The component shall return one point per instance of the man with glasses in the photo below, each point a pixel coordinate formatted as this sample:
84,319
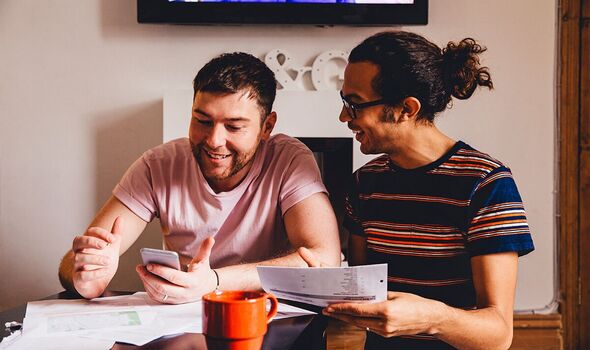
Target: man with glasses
447,219
229,197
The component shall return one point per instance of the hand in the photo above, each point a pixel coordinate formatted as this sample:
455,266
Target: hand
401,314
310,258
167,285
96,258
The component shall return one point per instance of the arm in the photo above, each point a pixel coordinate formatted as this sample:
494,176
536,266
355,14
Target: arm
310,223
93,260
494,277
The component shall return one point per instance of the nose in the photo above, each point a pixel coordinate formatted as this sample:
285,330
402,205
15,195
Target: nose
344,116
215,137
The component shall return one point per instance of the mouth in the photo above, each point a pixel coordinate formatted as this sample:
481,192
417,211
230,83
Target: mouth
216,156
358,135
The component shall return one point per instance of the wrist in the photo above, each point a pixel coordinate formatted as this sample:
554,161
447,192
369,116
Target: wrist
216,277
441,316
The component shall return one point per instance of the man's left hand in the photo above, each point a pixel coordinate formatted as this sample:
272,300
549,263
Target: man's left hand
401,314
171,286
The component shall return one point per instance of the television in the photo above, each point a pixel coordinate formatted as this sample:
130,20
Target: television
314,12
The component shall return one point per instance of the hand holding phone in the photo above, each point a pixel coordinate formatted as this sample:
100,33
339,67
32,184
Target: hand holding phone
160,257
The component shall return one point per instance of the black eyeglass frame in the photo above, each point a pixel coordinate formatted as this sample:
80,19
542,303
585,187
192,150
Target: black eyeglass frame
352,107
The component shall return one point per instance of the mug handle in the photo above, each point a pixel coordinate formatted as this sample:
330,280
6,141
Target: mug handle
274,305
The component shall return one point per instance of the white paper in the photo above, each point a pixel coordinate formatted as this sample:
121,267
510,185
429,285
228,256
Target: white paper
133,319
17,341
323,286
287,311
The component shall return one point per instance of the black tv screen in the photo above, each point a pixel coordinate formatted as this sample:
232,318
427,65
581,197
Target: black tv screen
318,12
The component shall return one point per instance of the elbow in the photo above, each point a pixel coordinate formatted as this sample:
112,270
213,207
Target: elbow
506,339
335,256
329,256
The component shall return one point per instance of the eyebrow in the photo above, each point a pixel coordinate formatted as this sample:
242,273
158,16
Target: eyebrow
351,96
231,119
196,110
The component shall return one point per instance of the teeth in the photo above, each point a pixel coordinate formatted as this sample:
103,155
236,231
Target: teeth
217,156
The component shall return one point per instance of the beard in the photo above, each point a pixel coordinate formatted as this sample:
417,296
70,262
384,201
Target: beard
239,160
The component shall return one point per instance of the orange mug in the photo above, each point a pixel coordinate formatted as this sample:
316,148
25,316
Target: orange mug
236,319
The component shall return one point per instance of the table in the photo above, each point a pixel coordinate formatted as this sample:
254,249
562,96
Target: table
313,332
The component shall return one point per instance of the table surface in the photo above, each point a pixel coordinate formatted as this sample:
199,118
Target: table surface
306,332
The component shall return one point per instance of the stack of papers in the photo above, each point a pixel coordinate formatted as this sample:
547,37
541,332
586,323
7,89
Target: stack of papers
100,322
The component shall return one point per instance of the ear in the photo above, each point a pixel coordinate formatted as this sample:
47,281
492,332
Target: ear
410,107
268,125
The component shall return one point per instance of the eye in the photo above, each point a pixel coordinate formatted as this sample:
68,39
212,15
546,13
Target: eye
233,127
204,122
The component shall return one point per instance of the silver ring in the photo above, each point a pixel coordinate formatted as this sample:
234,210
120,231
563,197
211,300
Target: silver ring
368,329
165,297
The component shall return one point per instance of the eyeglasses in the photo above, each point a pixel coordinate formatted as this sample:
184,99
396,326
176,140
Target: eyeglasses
352,107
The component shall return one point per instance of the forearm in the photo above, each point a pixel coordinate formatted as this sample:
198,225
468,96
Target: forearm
245,276
484,328
65,272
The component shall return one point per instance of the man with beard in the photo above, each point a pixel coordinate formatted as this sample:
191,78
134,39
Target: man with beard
229,198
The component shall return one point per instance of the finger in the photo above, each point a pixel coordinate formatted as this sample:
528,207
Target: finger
171,275
87,276
204,252
393,295
308,257
91,259
81,242
375,325
101,233
356,310
156,288
150,292
157,282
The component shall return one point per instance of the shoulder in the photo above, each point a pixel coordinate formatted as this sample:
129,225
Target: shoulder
172,151
281,144
469,161
284,151
375,166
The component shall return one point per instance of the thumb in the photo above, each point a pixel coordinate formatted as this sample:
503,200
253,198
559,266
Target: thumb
393,295
308,257
204,252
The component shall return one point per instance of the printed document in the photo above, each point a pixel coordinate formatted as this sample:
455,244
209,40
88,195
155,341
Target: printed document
99,323
323,286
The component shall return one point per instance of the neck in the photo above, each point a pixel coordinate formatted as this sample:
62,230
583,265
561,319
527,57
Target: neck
421,146
229,183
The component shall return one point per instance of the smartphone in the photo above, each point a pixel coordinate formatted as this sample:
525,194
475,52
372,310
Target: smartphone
160,257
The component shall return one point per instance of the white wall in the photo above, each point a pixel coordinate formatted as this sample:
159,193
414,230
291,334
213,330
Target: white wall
81,87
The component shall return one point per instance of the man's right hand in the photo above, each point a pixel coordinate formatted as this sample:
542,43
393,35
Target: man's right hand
96,258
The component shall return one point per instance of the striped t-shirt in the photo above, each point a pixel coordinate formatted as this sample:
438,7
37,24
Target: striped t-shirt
427,223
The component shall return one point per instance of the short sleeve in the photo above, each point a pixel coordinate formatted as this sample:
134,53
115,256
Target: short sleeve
497,219
135,190
351,207
301,179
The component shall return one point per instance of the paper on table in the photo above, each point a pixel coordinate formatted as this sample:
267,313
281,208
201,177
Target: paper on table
286,311
322,286
20,342
133,319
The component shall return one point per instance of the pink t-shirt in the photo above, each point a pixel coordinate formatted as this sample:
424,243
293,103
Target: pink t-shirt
247,222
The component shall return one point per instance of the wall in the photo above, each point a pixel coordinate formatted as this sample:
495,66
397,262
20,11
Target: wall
81,87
